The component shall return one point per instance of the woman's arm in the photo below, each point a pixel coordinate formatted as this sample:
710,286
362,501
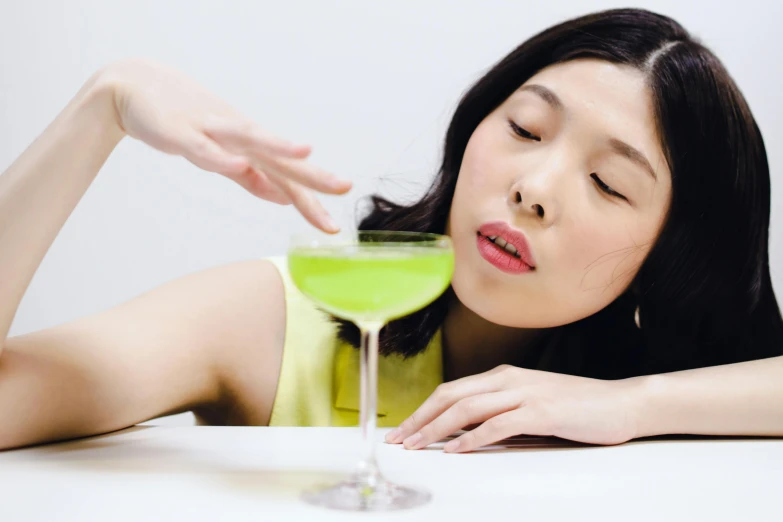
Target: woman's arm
209,342
168,111
40,189
735,399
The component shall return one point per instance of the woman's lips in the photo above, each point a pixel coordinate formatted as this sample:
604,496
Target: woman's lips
497,255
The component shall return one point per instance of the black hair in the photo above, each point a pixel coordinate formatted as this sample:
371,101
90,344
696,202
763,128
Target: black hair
704,291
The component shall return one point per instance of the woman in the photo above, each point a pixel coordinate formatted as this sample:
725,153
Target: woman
607,191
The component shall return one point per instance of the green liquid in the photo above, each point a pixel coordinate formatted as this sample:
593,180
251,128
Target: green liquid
371,283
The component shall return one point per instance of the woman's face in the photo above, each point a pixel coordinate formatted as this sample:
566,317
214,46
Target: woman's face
570,173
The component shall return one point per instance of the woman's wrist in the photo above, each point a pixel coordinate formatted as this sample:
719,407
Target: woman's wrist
96,103
649,406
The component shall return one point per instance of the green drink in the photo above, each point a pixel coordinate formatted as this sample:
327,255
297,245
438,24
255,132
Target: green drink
371,283
370,278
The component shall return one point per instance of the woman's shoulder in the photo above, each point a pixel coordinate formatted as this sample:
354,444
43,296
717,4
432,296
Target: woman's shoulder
303,318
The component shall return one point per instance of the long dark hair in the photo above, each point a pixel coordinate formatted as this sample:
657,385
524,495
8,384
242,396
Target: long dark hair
704,292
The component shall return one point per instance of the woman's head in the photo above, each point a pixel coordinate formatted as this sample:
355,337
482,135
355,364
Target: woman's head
623,151
573,162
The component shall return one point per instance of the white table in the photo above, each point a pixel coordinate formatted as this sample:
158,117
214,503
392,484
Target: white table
254,474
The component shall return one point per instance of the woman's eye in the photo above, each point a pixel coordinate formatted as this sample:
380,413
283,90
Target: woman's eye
522,133
606,188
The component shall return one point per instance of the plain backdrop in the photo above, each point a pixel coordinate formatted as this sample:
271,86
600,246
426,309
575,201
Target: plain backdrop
370,84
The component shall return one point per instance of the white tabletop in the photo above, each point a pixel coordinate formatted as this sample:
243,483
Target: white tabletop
255,474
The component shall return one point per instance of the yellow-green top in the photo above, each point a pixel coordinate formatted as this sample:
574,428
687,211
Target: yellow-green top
319,377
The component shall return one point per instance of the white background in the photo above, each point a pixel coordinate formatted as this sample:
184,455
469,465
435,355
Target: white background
370,84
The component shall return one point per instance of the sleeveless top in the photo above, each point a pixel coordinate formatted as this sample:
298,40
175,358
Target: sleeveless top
319,376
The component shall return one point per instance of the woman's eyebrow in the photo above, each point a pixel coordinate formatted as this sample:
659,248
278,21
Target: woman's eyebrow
545,94
634,155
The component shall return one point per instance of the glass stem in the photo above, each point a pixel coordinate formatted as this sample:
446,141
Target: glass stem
368,416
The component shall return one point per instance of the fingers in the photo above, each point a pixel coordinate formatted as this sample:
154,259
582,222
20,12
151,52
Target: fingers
471,410
250,137
515,422
274,156
208,155
280,180
307,204
443,398
285,192
259,184
302,172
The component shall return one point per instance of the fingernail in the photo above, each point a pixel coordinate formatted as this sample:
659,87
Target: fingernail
392,435
451,446
412,441
337,183
330,224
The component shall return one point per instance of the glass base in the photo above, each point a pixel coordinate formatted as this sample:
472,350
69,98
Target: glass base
357,495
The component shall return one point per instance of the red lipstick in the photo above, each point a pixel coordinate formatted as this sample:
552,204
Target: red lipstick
506,248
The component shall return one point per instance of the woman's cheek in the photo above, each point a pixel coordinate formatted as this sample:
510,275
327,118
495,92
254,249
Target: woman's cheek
473,174
599,257
482,163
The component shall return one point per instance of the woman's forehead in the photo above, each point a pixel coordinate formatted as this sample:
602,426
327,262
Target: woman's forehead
594,84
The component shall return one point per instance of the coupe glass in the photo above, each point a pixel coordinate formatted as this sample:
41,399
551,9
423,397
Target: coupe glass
370,278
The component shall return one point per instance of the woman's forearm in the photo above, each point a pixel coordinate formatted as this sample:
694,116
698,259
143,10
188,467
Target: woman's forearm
735,399
41,188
